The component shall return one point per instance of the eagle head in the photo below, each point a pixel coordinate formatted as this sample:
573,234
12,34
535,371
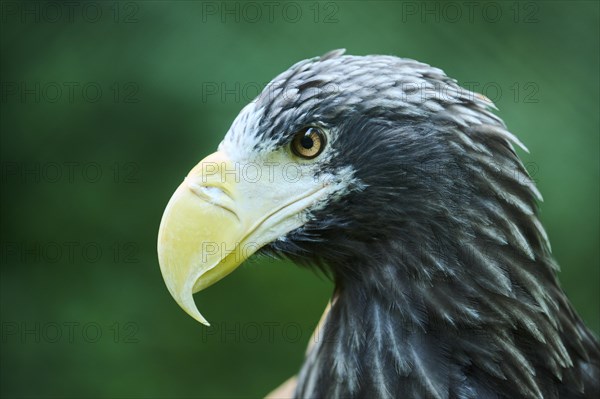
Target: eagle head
407,190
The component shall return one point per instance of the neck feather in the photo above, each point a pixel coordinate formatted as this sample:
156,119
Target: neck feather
461,314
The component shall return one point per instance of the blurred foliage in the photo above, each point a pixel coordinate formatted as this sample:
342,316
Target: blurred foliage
93,171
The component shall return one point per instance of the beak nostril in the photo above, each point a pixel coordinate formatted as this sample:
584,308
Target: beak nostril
213,191
214,194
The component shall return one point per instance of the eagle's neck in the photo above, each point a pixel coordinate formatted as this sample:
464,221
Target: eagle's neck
401,331
368,346
377,341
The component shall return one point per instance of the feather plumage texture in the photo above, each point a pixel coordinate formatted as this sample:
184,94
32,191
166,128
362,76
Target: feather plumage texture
445,281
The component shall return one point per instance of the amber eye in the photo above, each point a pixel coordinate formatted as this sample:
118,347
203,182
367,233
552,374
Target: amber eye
308,143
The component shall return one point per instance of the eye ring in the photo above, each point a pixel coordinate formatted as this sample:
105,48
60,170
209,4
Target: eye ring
308,143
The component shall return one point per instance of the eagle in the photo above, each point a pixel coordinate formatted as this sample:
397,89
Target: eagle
405,188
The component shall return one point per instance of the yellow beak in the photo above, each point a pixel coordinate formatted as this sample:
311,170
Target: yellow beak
218,217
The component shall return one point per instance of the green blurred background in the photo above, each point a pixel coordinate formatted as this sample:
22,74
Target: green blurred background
105,106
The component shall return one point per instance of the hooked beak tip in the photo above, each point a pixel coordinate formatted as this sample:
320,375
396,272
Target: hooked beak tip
186,301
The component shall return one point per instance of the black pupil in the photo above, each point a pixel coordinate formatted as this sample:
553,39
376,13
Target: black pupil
306,141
